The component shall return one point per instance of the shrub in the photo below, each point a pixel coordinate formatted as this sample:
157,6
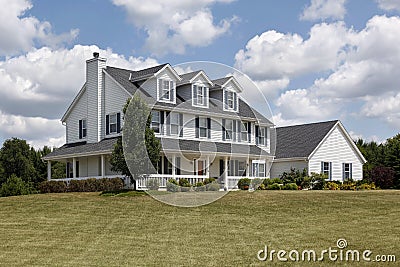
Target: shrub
214,186
256,182
274,186
270,181
290,186
184,184
153,184
294,176
76,186
262,187
306,183
53,187
200,187
209,180
365,186
332,186
15,186
172,185
244,183
348,186
383,177
318,181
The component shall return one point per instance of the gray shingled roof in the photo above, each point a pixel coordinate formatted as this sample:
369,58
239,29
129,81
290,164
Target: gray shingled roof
221,81
145,73
104,146
299,141
186,77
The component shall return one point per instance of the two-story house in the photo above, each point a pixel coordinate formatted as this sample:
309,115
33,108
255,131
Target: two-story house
205,127
219,134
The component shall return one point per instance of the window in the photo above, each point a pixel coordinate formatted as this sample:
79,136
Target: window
228,129
261,136
258,169
230,100
155,121
174,123
82,128
166,90
113,123
326,168
200,95
242,168
203,127
347,171
244,131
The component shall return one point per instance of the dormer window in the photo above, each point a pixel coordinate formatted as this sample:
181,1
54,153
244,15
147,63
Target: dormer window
200,95
166,89
230,100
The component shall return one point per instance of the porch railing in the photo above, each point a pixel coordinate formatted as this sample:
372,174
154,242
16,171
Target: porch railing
163,178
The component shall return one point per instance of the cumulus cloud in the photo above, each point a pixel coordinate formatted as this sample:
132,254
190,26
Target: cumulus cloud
36,88
19,33
173,25
274,55
389,5
324,9
351,68
386,107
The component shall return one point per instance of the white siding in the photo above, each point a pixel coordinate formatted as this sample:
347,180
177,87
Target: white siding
336,149
78,112
279,167
114,100
94,90
189,130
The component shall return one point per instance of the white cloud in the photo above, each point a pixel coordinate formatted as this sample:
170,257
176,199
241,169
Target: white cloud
389,4
324,9
385,107
19,33
37,87
173,25
274,55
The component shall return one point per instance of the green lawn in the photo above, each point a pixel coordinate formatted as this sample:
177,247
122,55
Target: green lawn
86,229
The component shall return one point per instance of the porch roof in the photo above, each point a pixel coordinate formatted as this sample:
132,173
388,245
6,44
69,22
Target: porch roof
105,146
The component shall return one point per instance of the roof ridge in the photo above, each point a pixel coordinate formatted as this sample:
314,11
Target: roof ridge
305,124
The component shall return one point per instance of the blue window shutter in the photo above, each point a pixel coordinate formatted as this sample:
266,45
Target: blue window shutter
223,130
171,91
178,166
330,170
167,113
225,99
165,165
161,122
234,101
194,94
197,126
206,96
221,167
80,129
343,172
234,130
108,124
239,130
351,170
256,132
181,124
209,127
249,131
118,122
322,167
265,135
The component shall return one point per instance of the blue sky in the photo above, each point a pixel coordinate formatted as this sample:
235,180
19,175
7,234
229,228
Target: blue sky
314,60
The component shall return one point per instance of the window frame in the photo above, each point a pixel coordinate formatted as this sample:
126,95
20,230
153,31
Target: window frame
110,123
153,122
173,124
347,173
244,131
255,169
326,169
261,137
204,127
227,130
166,89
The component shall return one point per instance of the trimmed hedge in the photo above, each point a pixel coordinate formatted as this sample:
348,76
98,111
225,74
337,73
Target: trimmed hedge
88,185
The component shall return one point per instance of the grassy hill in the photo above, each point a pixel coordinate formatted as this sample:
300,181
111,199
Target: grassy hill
86,229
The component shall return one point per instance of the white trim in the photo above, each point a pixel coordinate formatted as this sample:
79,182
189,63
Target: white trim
123,88
77,155
291,159
204,75
74,102
237,84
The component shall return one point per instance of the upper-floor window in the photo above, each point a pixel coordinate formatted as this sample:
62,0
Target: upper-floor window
174,123
113,123
326,168
347,171
203,127
82,128
261,133
166,89
229,129
230,100
200,95
155,121
244,131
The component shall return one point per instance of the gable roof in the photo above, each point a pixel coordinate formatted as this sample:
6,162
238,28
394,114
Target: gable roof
190,76
299,141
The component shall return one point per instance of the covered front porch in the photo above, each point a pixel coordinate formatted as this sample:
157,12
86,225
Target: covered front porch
226,169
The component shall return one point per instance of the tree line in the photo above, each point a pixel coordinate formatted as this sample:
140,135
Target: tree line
383,162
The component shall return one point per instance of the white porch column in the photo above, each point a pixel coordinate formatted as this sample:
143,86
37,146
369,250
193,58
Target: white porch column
103,166
48,170
248,174
226,173
73,167
173,166
208,167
